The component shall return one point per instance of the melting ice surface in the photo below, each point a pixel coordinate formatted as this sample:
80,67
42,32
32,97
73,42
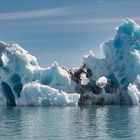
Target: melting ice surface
114,79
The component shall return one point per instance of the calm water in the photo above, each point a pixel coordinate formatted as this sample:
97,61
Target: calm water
70,123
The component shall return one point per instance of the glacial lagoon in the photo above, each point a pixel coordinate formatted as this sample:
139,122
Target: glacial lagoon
70,123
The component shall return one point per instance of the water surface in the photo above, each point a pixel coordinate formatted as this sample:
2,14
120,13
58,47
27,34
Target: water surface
70,123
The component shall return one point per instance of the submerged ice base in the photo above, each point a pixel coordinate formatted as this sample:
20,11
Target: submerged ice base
114,79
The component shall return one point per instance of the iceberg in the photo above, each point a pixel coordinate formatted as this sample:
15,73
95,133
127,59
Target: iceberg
24,82
113,79
121,67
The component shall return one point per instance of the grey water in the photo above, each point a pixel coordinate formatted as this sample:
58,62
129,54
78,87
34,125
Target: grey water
70,123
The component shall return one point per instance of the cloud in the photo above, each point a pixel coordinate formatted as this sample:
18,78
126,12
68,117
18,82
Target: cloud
38,13
113,20
88,21
74,10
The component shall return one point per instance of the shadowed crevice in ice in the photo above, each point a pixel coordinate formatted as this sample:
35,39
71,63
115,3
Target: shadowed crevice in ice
10,98
16,83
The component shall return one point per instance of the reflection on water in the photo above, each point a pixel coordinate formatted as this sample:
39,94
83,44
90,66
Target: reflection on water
69,123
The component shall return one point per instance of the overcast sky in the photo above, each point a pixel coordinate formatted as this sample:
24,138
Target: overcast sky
63,30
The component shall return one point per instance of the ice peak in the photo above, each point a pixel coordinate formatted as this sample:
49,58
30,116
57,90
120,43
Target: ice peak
91,53
129,21
2,43
55,65
129,27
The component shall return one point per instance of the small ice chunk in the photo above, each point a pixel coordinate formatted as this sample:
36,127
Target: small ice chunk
84,79
4,59
133,94
101,82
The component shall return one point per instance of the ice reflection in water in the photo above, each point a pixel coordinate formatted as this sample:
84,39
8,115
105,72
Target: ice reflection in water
69,123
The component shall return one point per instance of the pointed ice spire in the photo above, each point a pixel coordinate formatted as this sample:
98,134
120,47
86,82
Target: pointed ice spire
91,53
127,27
55,65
